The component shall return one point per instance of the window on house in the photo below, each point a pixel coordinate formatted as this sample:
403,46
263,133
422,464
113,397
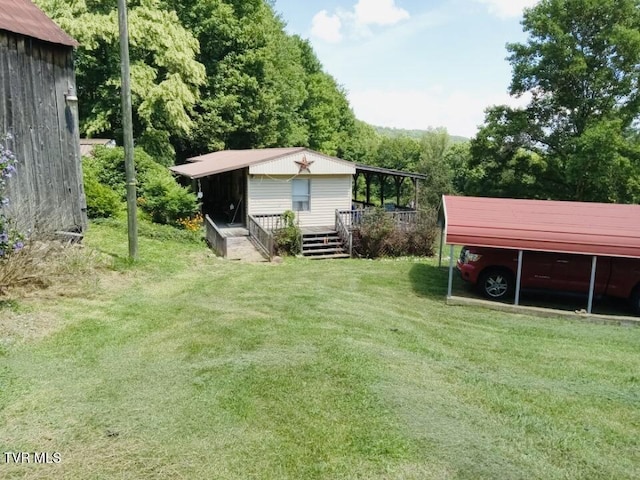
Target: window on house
301,194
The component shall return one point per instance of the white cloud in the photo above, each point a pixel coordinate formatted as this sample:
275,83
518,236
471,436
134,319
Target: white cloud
379,12
326,27
354,23
507,8
459,112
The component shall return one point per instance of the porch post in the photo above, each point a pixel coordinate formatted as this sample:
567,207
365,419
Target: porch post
399,181
367,181
355,186
416,185
592,284
518,278
382,179
450,273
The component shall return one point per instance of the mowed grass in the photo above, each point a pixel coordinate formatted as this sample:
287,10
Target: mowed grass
187,366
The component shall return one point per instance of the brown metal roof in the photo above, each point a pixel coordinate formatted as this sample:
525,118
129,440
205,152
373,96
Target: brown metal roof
88,144
543,225
23,17
228,160
362,168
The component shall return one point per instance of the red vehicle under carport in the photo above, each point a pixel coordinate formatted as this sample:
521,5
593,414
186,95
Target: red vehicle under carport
510,244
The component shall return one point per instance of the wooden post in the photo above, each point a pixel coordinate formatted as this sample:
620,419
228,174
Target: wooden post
367,180
127,126
399,181
416,184
355,186
382,179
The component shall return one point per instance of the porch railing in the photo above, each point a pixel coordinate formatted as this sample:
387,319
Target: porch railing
262,236
344,232
215,238
403,219
269,222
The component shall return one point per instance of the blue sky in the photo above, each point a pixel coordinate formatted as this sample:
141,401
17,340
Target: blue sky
414,64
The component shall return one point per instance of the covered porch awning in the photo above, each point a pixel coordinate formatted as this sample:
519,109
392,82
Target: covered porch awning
381,174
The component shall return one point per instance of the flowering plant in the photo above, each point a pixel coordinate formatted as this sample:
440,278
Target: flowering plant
10,239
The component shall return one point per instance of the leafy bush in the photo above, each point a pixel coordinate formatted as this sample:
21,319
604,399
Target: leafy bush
380,236
102,201
153,231
166,201
159,195
288,238
370,240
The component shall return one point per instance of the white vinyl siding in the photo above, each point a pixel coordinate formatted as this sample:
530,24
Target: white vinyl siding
319,165
271,195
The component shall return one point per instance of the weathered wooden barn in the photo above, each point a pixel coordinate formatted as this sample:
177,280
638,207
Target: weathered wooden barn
38,107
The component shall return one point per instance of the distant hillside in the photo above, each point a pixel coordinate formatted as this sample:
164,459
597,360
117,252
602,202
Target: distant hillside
401,132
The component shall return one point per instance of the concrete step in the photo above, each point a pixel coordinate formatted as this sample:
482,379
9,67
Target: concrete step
241,248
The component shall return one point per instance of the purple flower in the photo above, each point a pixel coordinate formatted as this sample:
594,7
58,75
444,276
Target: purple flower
17,246
4,237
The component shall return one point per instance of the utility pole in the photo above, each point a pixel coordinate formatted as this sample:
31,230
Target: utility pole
127,125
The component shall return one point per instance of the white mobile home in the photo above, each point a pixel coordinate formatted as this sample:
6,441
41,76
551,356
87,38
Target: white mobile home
245,192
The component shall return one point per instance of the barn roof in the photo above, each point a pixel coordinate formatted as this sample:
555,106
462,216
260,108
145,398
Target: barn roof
543,225
228,160
24,18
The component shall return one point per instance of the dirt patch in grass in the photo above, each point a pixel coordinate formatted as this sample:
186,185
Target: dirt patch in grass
19,327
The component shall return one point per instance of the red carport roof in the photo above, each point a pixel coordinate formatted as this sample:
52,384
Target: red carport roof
570,227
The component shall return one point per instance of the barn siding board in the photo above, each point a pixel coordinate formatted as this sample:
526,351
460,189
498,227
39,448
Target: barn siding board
47,192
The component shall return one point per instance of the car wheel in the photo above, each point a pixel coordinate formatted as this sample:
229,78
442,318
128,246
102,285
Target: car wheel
635,300
496,284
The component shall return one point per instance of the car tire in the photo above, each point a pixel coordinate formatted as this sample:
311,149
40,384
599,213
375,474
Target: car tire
496,284
635,300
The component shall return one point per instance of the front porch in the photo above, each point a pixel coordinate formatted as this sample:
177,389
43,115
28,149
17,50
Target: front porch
329,241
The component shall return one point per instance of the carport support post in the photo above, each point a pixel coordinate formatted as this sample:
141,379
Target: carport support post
441,245
518,277
450,273
592,284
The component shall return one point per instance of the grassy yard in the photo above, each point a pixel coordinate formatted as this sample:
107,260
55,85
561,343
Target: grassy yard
187,366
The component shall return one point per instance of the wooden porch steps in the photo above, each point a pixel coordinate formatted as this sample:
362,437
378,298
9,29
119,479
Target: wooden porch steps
323,245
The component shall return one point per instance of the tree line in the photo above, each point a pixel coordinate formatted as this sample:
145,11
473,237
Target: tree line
215,74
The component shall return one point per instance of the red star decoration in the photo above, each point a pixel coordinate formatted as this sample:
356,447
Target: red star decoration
304,164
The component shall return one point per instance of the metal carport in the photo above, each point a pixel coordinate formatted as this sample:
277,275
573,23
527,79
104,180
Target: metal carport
594,229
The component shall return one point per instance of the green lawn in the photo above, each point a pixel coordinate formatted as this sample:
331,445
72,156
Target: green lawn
187,366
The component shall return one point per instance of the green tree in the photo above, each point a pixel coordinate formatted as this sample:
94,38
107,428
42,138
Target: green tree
165,76
580,67
362,145
434,146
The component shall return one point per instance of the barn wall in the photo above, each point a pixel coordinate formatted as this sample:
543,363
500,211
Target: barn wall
272,195
47,191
